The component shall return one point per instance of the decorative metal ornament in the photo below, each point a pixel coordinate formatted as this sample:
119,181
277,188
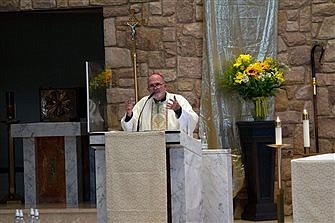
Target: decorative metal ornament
58,105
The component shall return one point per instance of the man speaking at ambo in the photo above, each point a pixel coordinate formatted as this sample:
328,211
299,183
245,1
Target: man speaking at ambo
160,110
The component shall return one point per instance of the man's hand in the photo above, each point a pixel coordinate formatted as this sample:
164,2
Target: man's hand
129,105
173,104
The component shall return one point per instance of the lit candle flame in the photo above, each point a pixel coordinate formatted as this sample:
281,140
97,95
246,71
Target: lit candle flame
278,132
305,115
305,122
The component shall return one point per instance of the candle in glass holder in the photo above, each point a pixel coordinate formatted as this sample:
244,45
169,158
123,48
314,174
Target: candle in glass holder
10,105
278,132
305,123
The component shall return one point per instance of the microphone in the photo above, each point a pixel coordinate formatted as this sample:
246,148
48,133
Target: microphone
145,103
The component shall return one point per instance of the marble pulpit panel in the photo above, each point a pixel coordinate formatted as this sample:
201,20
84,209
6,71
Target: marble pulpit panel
217,185
185,179
100,184
97,144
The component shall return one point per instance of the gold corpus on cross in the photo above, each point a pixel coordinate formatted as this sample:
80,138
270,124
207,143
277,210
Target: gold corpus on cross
132,23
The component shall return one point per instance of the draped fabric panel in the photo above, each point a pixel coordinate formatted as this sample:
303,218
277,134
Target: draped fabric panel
232,27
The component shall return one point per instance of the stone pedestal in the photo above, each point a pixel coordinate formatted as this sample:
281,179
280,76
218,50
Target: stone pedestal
259,162
217,185
185,179
71,132
100,178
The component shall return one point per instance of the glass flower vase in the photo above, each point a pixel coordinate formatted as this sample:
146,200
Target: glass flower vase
260,111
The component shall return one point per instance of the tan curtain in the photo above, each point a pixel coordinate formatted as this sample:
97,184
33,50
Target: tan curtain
232,27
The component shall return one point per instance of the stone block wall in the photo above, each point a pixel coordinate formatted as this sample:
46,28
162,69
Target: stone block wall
170,41
301,25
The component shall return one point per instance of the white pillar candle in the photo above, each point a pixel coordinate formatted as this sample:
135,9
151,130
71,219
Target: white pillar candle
278,132
305,123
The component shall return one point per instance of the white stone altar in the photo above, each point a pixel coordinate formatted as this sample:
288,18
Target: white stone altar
28,132
201,180
313,189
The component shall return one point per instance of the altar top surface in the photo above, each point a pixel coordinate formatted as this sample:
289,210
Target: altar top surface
44,129
322,157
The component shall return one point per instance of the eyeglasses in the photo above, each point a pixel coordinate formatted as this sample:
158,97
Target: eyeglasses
157,85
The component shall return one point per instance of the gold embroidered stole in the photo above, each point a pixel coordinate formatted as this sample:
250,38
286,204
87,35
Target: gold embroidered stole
158,116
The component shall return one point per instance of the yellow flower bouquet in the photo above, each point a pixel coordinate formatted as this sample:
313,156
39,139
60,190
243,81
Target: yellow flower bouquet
98,84
253,80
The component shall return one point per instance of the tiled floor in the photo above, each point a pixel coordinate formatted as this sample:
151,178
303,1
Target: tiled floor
288,219
52,213
85,213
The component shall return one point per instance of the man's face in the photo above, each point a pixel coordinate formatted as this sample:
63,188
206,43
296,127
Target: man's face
157,86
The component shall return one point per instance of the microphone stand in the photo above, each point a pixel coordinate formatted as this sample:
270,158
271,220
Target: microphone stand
139,116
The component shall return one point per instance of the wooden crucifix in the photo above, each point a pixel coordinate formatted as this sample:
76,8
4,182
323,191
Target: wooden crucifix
133,22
